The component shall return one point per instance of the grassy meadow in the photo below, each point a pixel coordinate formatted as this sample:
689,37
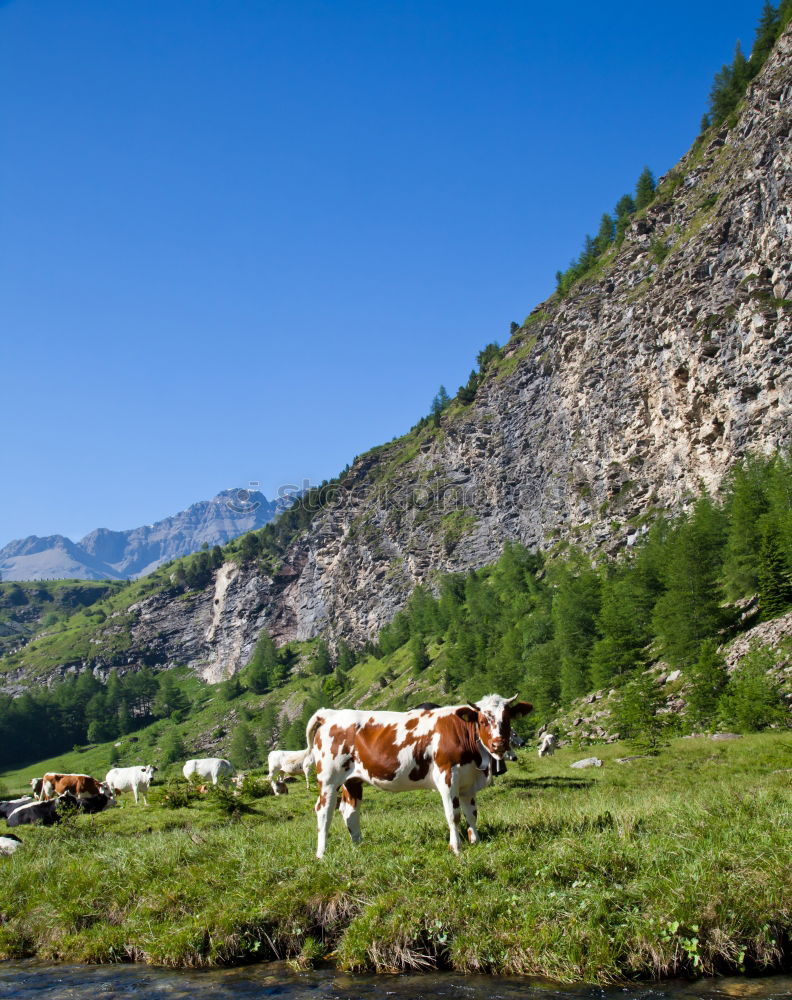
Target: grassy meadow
665,865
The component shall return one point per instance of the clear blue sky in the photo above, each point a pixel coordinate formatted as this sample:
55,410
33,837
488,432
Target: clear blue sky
248,240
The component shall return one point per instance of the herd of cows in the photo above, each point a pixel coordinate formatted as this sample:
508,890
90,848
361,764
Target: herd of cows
455,749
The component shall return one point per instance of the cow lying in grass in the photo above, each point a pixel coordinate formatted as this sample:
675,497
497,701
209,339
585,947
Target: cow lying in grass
451,749
7,806
51,811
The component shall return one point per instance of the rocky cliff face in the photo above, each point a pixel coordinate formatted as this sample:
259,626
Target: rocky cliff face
117,555
648,380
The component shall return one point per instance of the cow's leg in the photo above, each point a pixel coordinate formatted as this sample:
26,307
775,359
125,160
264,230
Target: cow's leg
351,797
471,815
449,793
306,770
135,793
325,807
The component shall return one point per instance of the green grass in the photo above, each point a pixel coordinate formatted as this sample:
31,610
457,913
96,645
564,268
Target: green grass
674,864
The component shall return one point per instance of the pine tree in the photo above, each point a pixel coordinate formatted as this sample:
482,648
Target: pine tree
321,662
171,748
467,393
690,609
263,666
747,502
170,701
576,604
606,233
542,681
706,680
243,749
766,33
439,403
419,658
346,657
740,73
265,730
721,95
625,209
637,717
644,189
249,547
774,574
751,700
624,622
487,356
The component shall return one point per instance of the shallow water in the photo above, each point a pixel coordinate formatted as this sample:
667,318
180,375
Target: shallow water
139,982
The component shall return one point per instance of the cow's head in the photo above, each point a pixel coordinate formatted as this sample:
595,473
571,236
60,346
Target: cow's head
493,715
109,794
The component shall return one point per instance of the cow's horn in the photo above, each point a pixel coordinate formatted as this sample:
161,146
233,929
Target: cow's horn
510,700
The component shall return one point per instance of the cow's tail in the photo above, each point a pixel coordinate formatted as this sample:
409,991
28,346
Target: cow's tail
314,723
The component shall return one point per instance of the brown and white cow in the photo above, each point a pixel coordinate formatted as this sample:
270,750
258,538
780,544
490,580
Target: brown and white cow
451,749
81,785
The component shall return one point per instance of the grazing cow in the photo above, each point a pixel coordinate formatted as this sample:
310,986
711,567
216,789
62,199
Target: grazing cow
280,762
451,749
9,805
9,843
547,745
35,784
209,768
81,785
135,779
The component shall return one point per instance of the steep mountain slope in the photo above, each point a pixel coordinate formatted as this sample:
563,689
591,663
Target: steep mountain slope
116,555
648,379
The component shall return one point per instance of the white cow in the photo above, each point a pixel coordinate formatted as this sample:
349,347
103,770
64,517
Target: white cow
135,779
547,745
208,767
288,762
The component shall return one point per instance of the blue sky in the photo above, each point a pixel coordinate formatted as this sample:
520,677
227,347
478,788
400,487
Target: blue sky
246,241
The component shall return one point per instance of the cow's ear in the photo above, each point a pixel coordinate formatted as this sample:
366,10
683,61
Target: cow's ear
520,708
467,713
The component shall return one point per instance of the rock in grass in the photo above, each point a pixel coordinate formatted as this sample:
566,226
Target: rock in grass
587,762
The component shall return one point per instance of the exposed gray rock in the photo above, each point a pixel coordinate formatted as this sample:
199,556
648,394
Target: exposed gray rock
587,762
647,380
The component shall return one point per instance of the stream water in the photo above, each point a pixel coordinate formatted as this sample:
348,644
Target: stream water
139,982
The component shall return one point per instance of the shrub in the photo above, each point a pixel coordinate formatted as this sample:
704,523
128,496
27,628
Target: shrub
752,699
178,795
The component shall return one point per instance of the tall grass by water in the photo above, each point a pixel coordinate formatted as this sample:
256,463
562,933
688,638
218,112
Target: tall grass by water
665,865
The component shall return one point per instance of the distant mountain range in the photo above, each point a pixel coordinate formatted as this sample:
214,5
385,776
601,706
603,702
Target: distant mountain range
116,555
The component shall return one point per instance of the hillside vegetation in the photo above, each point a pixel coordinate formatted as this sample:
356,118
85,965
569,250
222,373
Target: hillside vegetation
550,626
